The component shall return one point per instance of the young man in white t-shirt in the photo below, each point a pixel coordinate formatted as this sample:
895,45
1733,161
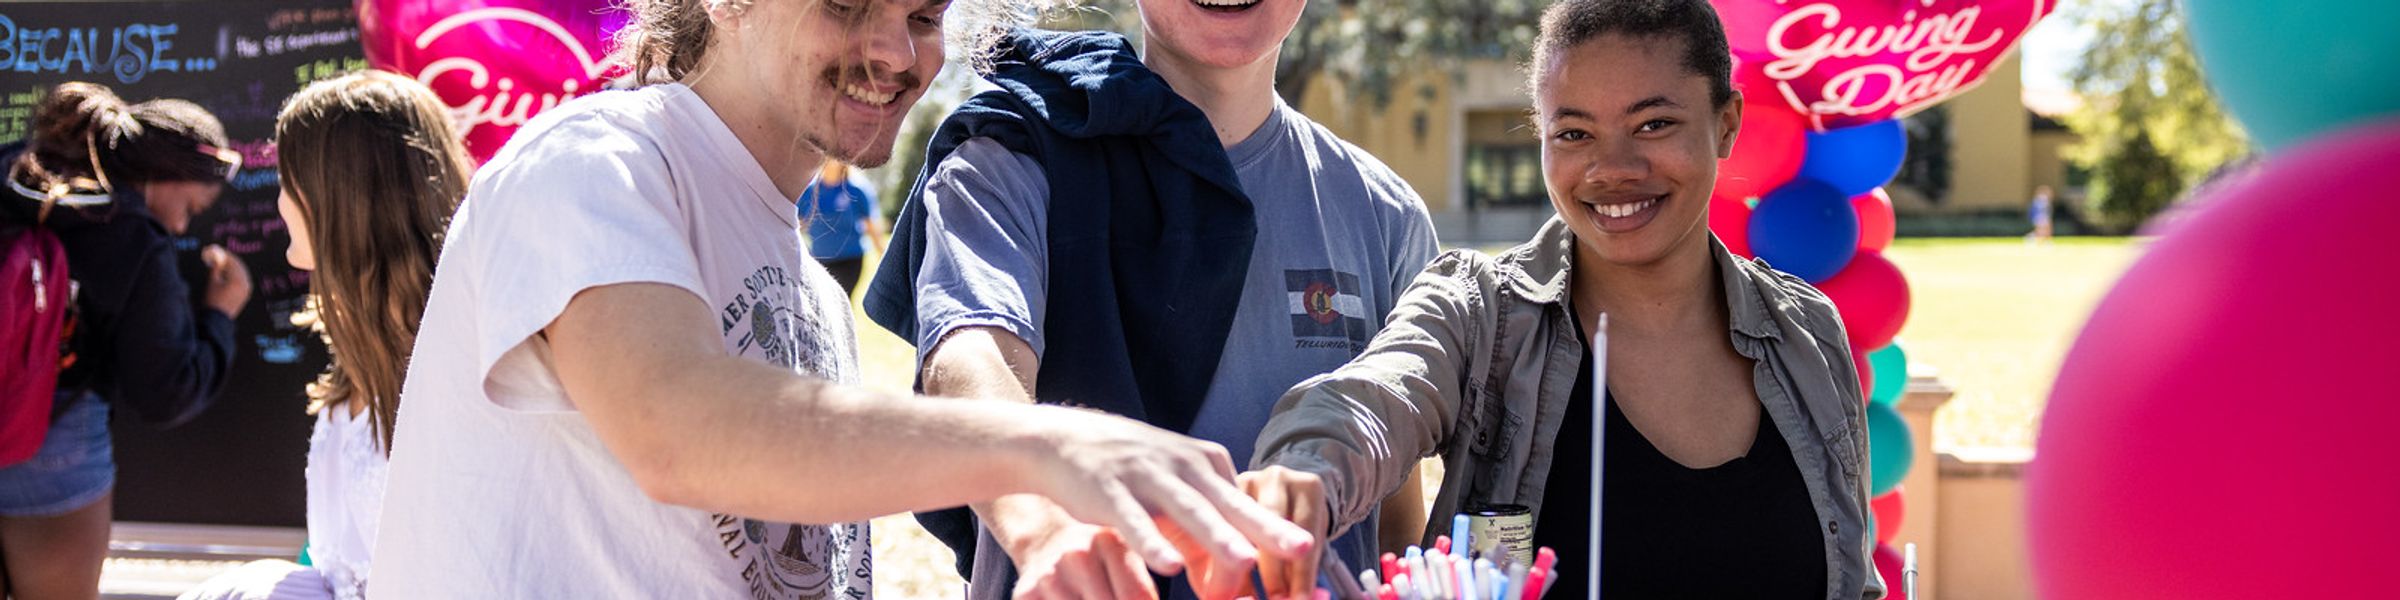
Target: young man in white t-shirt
629,365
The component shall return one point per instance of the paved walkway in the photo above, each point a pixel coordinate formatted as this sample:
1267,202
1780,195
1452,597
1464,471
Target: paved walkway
161,560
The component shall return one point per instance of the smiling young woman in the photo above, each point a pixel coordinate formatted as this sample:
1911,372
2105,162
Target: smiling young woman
1731,413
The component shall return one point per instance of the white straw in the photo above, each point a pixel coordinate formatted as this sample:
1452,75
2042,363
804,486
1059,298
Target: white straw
1599,441
1908,570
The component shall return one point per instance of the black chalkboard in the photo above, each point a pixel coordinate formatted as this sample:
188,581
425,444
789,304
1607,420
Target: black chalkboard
239,463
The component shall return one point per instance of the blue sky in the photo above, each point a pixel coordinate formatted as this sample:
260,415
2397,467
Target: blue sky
2050,50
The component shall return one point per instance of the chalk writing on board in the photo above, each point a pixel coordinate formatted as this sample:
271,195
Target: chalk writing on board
304,17
246,102
293,281
281,349
285,343
16,111
257,179
326,69
129,52
277,44
257,154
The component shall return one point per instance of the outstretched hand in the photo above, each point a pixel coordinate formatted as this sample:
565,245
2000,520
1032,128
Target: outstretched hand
1297,497
1141,481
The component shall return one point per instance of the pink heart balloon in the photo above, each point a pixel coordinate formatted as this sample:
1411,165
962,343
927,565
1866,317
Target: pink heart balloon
497,63
1851,62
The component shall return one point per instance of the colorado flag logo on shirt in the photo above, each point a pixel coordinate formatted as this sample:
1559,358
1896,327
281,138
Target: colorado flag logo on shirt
1326,308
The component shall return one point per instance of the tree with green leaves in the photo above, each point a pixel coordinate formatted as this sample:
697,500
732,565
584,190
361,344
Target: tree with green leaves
2150,126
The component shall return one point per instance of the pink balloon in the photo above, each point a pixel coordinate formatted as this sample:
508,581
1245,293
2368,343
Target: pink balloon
1889,509
1840,63
1766,153
1889,564
1875,226
2171,463
1872,296
1729,218
497,63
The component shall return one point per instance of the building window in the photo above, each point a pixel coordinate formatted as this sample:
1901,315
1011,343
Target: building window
1926,166
1504,176
1503,161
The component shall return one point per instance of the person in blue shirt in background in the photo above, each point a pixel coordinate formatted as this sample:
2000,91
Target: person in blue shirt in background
842,220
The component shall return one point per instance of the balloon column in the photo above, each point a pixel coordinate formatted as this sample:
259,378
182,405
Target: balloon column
2163,470
497,63
1824,83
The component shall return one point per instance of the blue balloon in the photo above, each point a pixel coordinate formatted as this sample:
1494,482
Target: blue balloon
1805,228
2293,70
1856,159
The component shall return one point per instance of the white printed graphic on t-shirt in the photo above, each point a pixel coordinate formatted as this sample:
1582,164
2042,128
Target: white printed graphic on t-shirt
766,317
796,561
779,317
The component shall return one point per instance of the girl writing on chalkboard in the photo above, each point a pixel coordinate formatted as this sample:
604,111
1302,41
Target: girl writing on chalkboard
371,172
115,183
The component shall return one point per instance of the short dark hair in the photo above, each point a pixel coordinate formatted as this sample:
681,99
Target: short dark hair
1569,23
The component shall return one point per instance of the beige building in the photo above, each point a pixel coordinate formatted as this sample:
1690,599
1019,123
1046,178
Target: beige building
1463,142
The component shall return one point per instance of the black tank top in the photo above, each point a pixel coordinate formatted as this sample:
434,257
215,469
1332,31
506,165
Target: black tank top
1743,529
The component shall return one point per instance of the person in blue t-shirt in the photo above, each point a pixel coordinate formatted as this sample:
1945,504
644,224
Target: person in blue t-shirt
2039,213
1157,235
842,220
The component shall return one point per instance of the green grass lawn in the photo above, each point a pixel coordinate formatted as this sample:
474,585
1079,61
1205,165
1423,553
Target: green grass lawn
909,563
1993,317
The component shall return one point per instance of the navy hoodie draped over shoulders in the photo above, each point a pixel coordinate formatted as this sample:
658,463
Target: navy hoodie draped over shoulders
1149,233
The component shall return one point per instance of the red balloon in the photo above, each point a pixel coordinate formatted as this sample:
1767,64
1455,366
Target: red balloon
1872,297
1889,509
1889,564
1729,217
2166,467
1866,374
1766,153
496,63
1875,226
